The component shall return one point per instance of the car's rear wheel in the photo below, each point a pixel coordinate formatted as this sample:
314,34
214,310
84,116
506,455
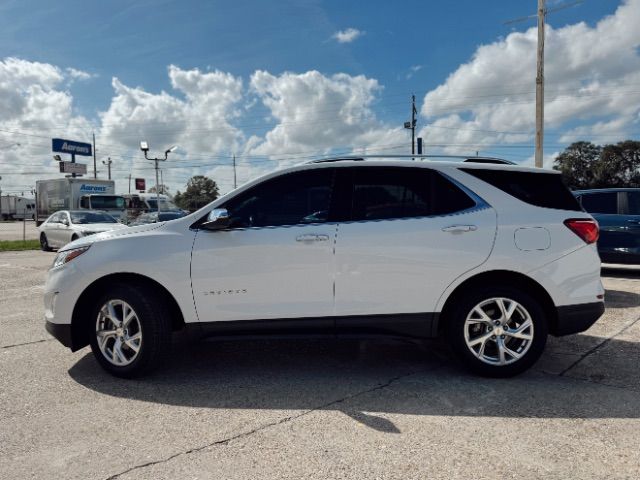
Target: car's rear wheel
130,331
497,331
44,243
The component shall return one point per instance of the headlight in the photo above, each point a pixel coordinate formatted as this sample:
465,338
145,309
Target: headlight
68,255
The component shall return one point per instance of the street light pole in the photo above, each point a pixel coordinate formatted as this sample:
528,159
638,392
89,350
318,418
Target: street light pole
108,164
144,146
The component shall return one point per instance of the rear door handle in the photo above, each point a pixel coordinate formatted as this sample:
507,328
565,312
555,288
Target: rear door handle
460,228
312,237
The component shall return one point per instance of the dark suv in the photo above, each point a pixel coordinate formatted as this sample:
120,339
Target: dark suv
617,210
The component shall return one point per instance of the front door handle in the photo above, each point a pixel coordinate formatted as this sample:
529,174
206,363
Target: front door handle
312,237
460,228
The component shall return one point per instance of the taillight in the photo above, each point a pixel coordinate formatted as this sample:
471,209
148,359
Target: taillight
587,229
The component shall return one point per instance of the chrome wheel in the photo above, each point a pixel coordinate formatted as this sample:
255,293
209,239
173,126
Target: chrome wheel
498,331
118,332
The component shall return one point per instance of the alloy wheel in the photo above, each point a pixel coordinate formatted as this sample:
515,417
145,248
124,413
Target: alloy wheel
118,332
498,331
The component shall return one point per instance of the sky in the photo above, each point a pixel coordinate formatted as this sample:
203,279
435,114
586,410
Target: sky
281,82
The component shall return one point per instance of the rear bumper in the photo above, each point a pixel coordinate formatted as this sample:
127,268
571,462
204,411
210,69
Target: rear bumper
61,331
577,318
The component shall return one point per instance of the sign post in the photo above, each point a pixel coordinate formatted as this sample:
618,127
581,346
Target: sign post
74,148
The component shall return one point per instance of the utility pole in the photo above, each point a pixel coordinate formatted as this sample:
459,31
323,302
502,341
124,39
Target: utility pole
129,183
161,182
95,171
235,183
108,164
540,85
412,124
541,15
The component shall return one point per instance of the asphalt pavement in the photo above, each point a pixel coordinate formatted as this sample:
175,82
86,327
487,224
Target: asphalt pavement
316,409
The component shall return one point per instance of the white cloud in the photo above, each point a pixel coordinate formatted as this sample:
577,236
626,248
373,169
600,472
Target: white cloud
413,70
75,74
587,69
348,35
196,116
318,113
34,107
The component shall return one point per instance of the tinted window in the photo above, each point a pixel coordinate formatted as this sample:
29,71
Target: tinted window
91,217
107,202
600,202
295,198
388,192
539,189
634,203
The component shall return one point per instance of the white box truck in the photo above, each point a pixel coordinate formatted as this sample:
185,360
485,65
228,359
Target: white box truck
13,207
77,194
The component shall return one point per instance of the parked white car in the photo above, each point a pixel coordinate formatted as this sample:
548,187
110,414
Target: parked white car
493,257
66,226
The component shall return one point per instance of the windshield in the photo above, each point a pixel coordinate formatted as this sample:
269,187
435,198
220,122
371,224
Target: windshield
164,204
107,202
91,217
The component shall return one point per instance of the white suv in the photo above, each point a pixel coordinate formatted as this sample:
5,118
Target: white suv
493,257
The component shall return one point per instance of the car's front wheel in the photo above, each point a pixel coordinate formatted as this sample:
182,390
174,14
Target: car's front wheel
497,332
44,243
130,330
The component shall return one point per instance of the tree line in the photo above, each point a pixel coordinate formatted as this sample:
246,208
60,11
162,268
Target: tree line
586,165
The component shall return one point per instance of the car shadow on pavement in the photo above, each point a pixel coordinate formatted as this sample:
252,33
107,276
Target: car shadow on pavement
621,299
376,377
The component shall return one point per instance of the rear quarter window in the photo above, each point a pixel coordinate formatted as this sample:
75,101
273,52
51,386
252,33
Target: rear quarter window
535,188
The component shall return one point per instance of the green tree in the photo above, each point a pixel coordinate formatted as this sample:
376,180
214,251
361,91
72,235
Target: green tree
585,165
619,165
200,191
577,164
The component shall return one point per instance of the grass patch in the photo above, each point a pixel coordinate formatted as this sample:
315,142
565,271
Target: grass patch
14,245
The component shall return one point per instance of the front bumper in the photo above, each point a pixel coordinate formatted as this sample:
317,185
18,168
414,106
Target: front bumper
577,318
61,331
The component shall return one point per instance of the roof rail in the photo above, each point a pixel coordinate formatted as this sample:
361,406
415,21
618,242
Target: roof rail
464,158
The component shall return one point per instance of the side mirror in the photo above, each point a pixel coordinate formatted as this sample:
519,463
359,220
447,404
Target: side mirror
218,219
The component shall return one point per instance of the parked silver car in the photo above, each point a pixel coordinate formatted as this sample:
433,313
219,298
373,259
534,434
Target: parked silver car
66,226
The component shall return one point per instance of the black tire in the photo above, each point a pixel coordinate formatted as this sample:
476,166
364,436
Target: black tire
456,325
155,328
44,243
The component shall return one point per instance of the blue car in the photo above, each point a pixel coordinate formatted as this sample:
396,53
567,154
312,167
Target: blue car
617,210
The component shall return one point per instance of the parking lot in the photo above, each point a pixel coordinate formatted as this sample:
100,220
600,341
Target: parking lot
316,409
16,230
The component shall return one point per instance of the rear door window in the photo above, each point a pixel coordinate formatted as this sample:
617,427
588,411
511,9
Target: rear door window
535,188
399,192
605,202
